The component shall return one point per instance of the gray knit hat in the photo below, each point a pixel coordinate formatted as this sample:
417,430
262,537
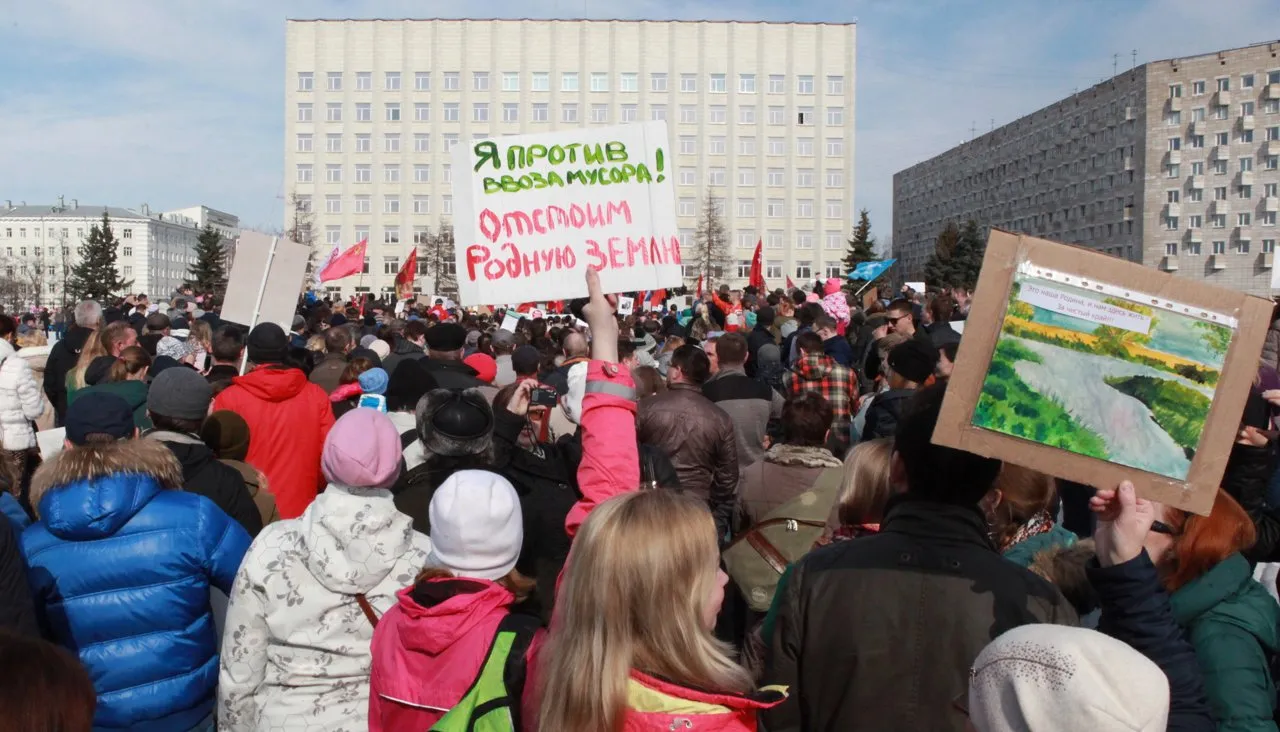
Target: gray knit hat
181,393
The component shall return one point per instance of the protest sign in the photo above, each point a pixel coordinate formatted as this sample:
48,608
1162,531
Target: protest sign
265,280
1097,371
625,305
50,442
533,211
917,286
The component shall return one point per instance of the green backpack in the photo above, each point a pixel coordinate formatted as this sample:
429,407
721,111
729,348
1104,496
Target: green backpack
492,704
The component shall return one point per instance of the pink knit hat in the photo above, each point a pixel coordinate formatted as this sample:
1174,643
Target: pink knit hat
833,285
362,450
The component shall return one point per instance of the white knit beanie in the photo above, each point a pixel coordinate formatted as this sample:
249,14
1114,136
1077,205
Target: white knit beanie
1053,678
476,525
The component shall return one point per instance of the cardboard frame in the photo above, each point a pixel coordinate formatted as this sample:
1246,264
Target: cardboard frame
1005,252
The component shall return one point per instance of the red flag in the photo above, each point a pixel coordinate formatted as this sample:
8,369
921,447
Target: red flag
658,297
346,264
756,278
642,297
698,292
404,278
790,285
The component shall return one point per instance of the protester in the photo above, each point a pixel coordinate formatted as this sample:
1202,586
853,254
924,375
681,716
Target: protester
20,403
158,326
43,688
410,345
17,614
649,382
575,351
750,404
310,592
946,361
227,350
939,586
730,307
444,359
761,335
698,436
288,416
407,386
66,352
910,365
328,373
177,405
33,347
504,345
347,394
227,435
433,643
125,377
792,466
942,311
1020,514
455,428
818,372
134,573
865,493
834,344
485,367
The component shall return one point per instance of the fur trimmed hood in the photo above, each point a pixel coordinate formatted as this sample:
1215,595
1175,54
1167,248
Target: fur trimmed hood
1064,566
803,457
88,464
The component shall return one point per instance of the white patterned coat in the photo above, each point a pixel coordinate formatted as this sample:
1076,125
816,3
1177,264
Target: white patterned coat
21,400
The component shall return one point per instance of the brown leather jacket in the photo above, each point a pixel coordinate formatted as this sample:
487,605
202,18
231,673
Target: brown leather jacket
699,438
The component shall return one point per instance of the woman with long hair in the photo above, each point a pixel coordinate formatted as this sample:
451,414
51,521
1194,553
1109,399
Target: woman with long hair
1020,514
867,489
43,688
125,377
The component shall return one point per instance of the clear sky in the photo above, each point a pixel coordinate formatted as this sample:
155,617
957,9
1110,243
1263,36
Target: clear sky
179,102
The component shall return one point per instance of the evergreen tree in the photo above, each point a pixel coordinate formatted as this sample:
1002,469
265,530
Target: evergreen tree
862,246
95,276
710,255
966,259
938,271
209,272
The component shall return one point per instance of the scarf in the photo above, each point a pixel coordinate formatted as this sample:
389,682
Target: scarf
1039,524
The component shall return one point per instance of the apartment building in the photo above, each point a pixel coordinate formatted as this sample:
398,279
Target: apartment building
760,116
40,244
1174,164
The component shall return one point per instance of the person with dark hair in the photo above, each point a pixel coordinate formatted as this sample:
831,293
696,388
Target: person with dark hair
288,416
227,351
751,404
939,586
409,345
43,688
793,465
697,435
66,352
177,404
941,312
227,435
834,344
946,360
818,372
328,373
806,314
902,319
761,335
445,343
910,365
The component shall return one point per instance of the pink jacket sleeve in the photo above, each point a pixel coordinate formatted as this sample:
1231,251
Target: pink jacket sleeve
610,458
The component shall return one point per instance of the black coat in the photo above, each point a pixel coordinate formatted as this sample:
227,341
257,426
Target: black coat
62,358
757,338
415,488
452,374
1248,471
883,414
203,474
1136,610
17,612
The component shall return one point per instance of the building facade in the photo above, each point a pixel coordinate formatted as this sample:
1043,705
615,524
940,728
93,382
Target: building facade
1174,164
40,244
760,116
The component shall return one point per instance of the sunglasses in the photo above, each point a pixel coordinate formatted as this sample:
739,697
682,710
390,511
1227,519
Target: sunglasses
894,321
1161,527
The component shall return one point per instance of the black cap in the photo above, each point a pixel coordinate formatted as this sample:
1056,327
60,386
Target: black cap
97,370
913,360
525,360
98,413
267,343
409,383
366,353
446,337
157,322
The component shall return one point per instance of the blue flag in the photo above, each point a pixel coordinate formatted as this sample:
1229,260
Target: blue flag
870,270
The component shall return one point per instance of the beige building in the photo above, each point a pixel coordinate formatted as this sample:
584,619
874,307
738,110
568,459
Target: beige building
1174,164
759,114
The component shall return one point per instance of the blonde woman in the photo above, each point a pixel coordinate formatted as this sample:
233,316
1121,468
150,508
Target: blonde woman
200,342
867,489
108,341
641,561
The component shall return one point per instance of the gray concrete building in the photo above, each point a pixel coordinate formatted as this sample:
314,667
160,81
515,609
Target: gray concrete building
1174,164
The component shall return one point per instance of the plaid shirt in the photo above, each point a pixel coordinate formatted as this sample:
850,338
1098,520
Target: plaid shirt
836,383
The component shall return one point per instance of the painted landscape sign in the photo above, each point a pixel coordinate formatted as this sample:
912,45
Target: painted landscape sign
1098,370
533,211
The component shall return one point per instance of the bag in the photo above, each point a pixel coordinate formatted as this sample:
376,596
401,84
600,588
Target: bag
756,559
492,703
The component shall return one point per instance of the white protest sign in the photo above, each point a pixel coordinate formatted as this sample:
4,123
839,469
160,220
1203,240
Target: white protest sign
917,286
531,212
510,321
957,326
1085,308
50,442
625,305
265,281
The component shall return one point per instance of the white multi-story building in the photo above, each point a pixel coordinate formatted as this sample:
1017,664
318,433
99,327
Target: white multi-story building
39,245
760,117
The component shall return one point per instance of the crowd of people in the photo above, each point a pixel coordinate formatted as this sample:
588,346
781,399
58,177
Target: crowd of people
726,516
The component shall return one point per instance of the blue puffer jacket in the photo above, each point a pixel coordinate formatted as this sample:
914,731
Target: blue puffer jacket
120,565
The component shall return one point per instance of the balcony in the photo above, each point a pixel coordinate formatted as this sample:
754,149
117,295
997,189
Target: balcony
1217,261
1267,261
1220,207
1272,147
1175,157
1271,204
1198,127
1170,261
1221,152
1195,236
1197,181
1175,103
1246,177
1272,91
1171,209
1246,122
1222,98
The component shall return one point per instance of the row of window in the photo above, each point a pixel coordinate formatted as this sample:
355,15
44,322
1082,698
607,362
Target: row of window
1241,246
165,256
55,233
1195,142
1223,83
570,81
1221,112
1221,167
1196,195
717,114
1219,220
773,268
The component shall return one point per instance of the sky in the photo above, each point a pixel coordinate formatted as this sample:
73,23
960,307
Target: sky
180,102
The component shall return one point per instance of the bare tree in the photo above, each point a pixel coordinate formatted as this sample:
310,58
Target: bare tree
710,255
301,229
440,263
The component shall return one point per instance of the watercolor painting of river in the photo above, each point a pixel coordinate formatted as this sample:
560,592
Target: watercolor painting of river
1102,376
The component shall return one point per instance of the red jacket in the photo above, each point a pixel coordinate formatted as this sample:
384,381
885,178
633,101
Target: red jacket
288,418
734,320
427,651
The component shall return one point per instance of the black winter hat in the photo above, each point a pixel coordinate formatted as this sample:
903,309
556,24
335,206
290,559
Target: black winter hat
446,337
97,370
267,343
98,413
454,422
913,360
409,383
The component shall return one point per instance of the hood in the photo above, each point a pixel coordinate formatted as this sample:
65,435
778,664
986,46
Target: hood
133,392
191,453
802,457
86,493
815,367
272,384
354,537
1229,593
6,350
437,612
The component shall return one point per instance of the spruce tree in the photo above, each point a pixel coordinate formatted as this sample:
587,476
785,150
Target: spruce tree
938,271
209,272
440,261
862,246
95,276
966,260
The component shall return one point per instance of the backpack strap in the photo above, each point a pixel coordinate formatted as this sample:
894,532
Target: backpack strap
367,609
524,628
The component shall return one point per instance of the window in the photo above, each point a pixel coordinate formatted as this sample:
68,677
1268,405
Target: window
835,178
1195,221
746,146
1171,196
541,112
540,81
835,147
446,204
1173,118
688,114
127,251
715,145
835,85
773,269
1220,111
364,112
716,84
774,178
1273,133
747,114
804,84
304,143
306,81
688,145
1175,91
715,176
1197,114
746,83
569,81
1171,223
629,82
568,113
804,146
421,173
1218,221
1197,88
1219,167
391,81
835,116
391,143
1273,162
1246,109
599,113
1244,219
421,205
1191,248
804,116
688,207
1195,142
364,173
1224,84
835,209
1219,247
304,111
1171,170
1268,245
1269,190
452,81
448,172
333,204
688,177
510,81
804,240
1246,165
334,80
451,111
777,116
719,115
1267,218
746,207
1197,168
773,208
390,204
364,81
803,270
364,143
393,111
804,208
777,84
835,241
599,81
744,267
1273,77
688,83
1171,248
1175,143
422,112
777,146
658,82
746,176
804,177
658,112
391,173
421,143
422,81
630,113
302,175
479,111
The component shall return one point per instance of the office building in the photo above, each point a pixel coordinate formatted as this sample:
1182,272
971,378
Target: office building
759,114
1173,164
